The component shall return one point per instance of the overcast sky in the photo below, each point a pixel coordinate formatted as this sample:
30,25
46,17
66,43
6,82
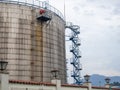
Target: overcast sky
100,33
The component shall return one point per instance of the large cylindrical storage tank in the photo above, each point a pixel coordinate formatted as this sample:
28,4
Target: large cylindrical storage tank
32,48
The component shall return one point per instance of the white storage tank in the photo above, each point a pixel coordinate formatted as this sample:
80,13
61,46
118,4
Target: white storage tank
31,45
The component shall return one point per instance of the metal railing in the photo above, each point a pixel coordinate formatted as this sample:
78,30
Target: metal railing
35,4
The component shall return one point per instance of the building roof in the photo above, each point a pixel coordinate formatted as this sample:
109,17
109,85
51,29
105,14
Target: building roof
97,87
44,83
72,85
31,82
51,84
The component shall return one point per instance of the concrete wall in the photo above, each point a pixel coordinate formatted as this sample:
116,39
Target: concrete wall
6,84
52,86
30,87
31,48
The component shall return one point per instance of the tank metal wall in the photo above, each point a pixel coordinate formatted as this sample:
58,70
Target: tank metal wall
32,48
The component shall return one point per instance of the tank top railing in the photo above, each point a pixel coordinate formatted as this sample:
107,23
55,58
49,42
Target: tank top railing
36,4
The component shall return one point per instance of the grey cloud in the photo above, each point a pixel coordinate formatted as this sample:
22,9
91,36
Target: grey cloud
116,11
115,63
90,13
102,6
105,4
111,27
117,5
76,9
108,19
118,26
91,0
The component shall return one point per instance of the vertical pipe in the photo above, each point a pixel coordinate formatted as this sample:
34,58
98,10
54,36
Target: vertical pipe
39,3
64,11
33,2
25,1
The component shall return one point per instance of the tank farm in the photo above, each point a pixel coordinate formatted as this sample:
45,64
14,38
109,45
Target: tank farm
32,41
